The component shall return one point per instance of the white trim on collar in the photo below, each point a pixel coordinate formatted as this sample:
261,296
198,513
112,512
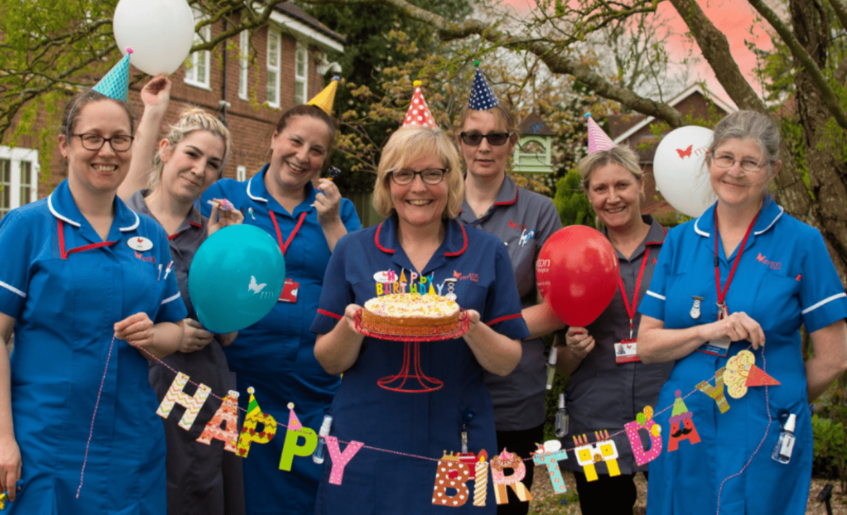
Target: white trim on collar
56,213
249,183
777,217
133,226
698,231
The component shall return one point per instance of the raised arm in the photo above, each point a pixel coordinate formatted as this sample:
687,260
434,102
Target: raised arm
155,96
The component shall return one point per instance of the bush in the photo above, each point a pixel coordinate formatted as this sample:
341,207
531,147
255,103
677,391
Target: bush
829,429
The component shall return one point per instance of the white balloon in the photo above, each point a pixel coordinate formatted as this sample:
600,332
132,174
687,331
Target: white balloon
160,33
680,170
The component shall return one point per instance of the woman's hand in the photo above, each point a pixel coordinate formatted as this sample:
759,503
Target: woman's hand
194,336
10,465
579,342
156,94
219,218
328,205
737,326
136,330
338,350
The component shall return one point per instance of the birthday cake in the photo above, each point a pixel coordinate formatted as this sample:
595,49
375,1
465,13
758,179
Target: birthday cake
411,314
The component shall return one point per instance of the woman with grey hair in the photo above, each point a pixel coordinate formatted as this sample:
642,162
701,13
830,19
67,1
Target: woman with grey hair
730,292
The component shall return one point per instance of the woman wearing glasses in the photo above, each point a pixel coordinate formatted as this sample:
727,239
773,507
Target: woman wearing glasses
419,247
80,286
523,220
743,277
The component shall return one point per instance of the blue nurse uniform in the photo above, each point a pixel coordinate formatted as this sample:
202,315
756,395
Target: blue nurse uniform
420,424
276,354
66,288
785,279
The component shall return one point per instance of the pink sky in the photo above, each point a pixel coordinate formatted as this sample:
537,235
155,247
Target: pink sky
732,17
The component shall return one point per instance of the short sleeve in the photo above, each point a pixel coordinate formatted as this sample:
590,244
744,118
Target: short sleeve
349,217
172,306
548,223
503,303
822,297
15,240
653,302
334,300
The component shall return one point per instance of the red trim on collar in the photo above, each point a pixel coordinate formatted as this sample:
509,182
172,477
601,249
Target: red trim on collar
195,224
327,313
376,240
503,319
657,242
174,235
509,202
465,236
83,248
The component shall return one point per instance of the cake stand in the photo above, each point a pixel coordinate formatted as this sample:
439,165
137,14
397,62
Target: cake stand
411,379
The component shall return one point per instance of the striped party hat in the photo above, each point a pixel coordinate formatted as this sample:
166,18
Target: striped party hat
116,83
597,139
418,113
326,98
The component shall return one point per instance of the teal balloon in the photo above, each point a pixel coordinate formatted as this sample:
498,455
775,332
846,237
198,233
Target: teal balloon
235,278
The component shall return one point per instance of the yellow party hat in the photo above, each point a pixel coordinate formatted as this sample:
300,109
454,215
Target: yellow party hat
326,98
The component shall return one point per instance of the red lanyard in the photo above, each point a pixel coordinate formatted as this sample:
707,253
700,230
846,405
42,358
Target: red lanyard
90,246
631,312
284,247
722,311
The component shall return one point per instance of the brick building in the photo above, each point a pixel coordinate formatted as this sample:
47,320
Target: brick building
636,130
288,60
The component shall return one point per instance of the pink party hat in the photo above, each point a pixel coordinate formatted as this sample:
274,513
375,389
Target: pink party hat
597,139
293,421
418,113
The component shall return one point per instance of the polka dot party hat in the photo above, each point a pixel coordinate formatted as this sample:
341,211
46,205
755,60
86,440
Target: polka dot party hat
116,83
482,96
419,113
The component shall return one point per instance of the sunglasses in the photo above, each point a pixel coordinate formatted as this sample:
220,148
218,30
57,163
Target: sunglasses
495,139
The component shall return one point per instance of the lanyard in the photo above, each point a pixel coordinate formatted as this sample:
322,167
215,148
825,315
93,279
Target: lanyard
722,311
65,253
284,247
631,312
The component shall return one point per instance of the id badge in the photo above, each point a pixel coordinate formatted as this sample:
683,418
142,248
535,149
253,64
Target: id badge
626,351
718,347
289,291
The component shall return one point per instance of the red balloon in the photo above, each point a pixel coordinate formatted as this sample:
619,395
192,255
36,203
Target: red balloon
578,274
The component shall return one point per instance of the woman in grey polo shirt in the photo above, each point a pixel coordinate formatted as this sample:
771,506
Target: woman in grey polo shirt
609,385
201,479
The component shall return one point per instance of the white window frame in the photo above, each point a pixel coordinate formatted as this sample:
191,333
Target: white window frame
275,69
244,45
16,156
301,82
241,173
191,73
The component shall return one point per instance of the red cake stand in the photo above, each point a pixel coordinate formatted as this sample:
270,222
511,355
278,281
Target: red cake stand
411,379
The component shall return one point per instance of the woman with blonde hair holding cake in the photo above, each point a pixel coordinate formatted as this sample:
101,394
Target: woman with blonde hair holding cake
420,248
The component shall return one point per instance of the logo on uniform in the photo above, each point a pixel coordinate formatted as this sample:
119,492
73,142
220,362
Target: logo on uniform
526,236
774,265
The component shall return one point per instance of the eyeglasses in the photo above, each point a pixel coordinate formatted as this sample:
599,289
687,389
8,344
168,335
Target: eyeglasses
431,176
495,139
727,161
118,143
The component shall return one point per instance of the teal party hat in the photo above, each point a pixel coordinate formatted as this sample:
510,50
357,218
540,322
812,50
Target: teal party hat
116,83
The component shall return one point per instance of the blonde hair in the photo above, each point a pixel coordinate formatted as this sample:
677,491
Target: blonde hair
408,145
621,155
190,120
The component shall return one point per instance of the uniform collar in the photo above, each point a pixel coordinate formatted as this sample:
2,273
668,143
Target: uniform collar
655,236
507,196
258,192
138,203
455,241
768,216
62,205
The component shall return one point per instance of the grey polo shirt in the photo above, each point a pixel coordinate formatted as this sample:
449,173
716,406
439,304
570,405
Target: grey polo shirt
184,243
604,395
523,220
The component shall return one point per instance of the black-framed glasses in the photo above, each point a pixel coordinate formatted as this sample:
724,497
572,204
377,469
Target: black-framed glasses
119,143
495,139
727,161
431,176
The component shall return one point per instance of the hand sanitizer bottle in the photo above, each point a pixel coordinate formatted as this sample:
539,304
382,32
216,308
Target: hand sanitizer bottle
562,416
320,451
785,444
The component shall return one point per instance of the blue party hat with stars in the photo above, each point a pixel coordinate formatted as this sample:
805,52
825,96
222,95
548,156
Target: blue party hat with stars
116,83
482,97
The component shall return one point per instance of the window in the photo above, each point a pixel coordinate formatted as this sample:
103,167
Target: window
244,40
274,41
18,177
301,73
241,173
199,63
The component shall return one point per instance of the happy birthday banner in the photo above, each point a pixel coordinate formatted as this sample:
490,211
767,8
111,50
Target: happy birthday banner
454,471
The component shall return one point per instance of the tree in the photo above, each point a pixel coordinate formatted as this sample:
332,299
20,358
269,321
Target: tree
558,28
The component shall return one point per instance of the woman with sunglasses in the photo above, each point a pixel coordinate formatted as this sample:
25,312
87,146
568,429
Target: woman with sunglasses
81,289
523,220
737,283
420,246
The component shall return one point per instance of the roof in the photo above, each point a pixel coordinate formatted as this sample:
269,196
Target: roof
694,88
289,15
534,125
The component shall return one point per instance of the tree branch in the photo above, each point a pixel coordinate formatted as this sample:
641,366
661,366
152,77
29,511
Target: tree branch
840,9
815,74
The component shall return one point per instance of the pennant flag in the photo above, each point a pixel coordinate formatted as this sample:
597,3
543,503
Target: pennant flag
192,404
644,421
418,112
226,414
501,481
715,392
326,98
598,140
339,459
758,377
115,84
549,455
480,487
482,96
249,433
294,433
682,425
737,370
453,474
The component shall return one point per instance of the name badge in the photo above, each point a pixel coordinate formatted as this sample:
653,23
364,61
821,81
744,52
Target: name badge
626,351
716,347
289,291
